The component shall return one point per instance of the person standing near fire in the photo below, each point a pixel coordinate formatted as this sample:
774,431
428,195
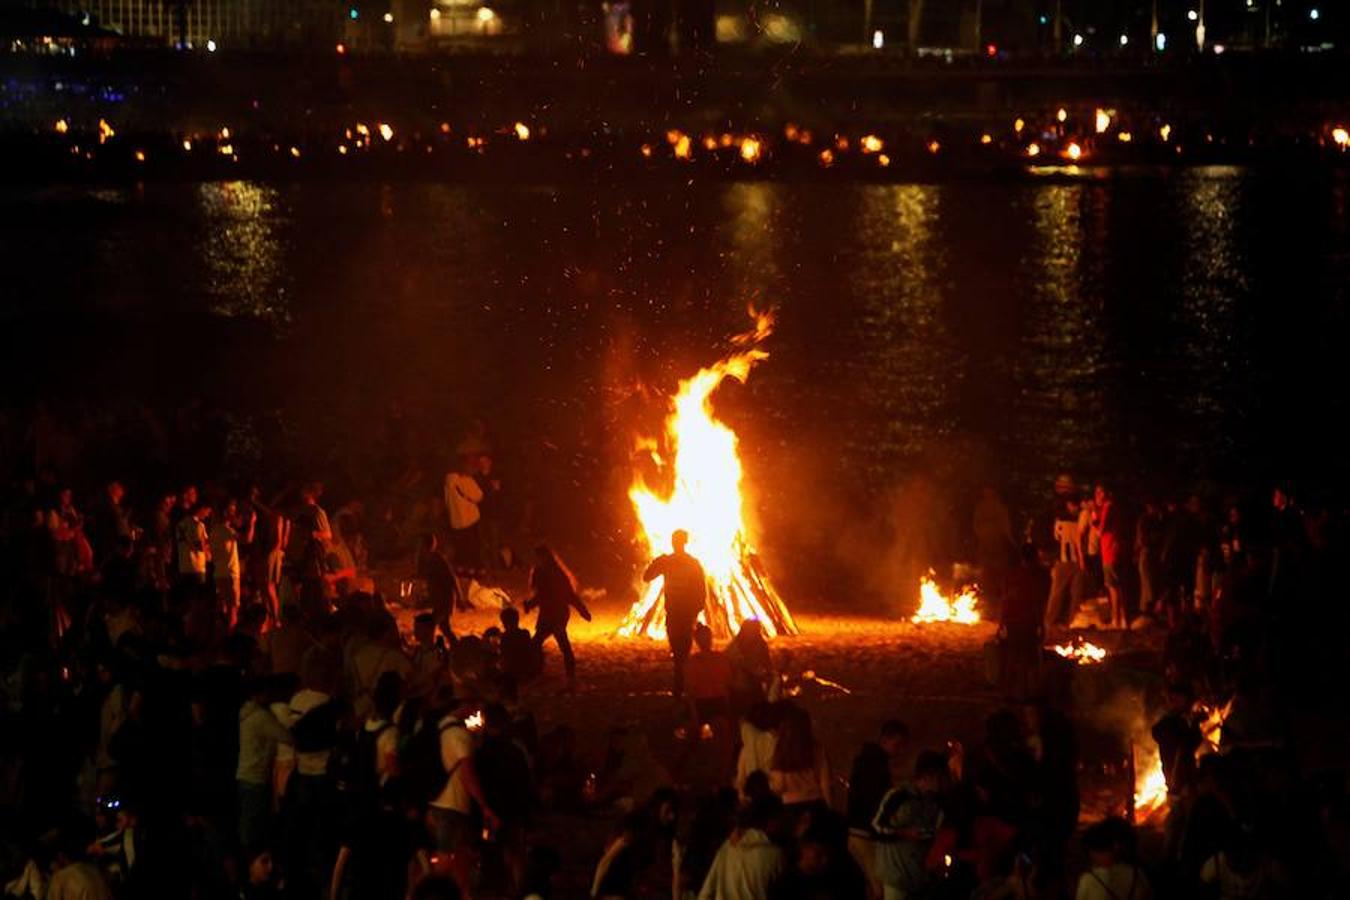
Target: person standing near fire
686,588
462,498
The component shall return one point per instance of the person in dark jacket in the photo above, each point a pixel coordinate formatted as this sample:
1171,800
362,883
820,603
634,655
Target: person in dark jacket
442,586
555,595
870,779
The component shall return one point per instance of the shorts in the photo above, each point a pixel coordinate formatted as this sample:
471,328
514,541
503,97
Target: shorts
451,830
1110,575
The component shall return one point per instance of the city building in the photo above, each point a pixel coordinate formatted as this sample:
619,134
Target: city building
216,24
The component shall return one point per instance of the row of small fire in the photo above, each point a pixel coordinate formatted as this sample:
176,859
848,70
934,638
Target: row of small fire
1059,140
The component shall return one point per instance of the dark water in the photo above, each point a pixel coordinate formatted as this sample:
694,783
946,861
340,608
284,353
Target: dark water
1166,330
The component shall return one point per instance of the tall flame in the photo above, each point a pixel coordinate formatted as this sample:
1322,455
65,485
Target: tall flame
698,453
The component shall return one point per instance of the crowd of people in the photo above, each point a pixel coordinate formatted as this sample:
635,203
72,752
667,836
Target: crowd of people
205,695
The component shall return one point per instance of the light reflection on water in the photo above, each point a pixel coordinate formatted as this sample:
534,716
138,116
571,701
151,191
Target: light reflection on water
1110,327
898,280
240,250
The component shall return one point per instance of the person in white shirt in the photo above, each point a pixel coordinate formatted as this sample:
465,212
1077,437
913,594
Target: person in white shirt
1111,875
463,495
194,548
452,824
749,864
225,538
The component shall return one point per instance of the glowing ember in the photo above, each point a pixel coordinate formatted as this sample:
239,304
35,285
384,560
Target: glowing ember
1102,120
697,459
826,157
750,150
522,131
1033,149
386,131
1084,653
62,126
935,607
1150,786
870,143
1341,137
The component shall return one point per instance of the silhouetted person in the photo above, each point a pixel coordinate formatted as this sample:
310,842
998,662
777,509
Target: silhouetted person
686,588
442,586
555,594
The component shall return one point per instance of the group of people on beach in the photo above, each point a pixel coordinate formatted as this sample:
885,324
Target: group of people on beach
207,696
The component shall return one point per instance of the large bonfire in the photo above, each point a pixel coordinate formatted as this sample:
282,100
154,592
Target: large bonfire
701,493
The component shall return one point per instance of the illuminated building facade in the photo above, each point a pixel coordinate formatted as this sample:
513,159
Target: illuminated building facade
227,24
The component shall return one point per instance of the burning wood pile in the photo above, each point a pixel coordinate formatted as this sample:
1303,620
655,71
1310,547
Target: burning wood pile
700,493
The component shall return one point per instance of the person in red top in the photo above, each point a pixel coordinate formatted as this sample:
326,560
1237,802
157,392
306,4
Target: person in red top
1109,523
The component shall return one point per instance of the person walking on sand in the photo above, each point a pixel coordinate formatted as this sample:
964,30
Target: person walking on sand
686,588
555,594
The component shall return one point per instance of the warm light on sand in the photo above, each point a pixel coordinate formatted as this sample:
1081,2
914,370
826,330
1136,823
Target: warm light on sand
703,496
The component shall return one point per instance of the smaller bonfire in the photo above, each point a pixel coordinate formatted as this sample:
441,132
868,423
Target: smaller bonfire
935,606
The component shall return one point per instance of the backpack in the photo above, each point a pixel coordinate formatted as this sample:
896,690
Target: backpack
316,730
419,762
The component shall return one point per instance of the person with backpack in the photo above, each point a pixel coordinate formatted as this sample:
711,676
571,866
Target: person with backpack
312,717
503,766
555,594
374,842
450,807
905,824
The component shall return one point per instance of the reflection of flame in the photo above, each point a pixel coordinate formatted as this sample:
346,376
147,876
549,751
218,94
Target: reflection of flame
1150,786
934,607
1082,652
698,455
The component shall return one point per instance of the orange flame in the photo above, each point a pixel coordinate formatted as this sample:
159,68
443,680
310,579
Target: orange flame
1150,785
1084,653
935,607
698,452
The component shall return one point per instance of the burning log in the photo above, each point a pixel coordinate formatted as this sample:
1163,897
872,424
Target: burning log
698,458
